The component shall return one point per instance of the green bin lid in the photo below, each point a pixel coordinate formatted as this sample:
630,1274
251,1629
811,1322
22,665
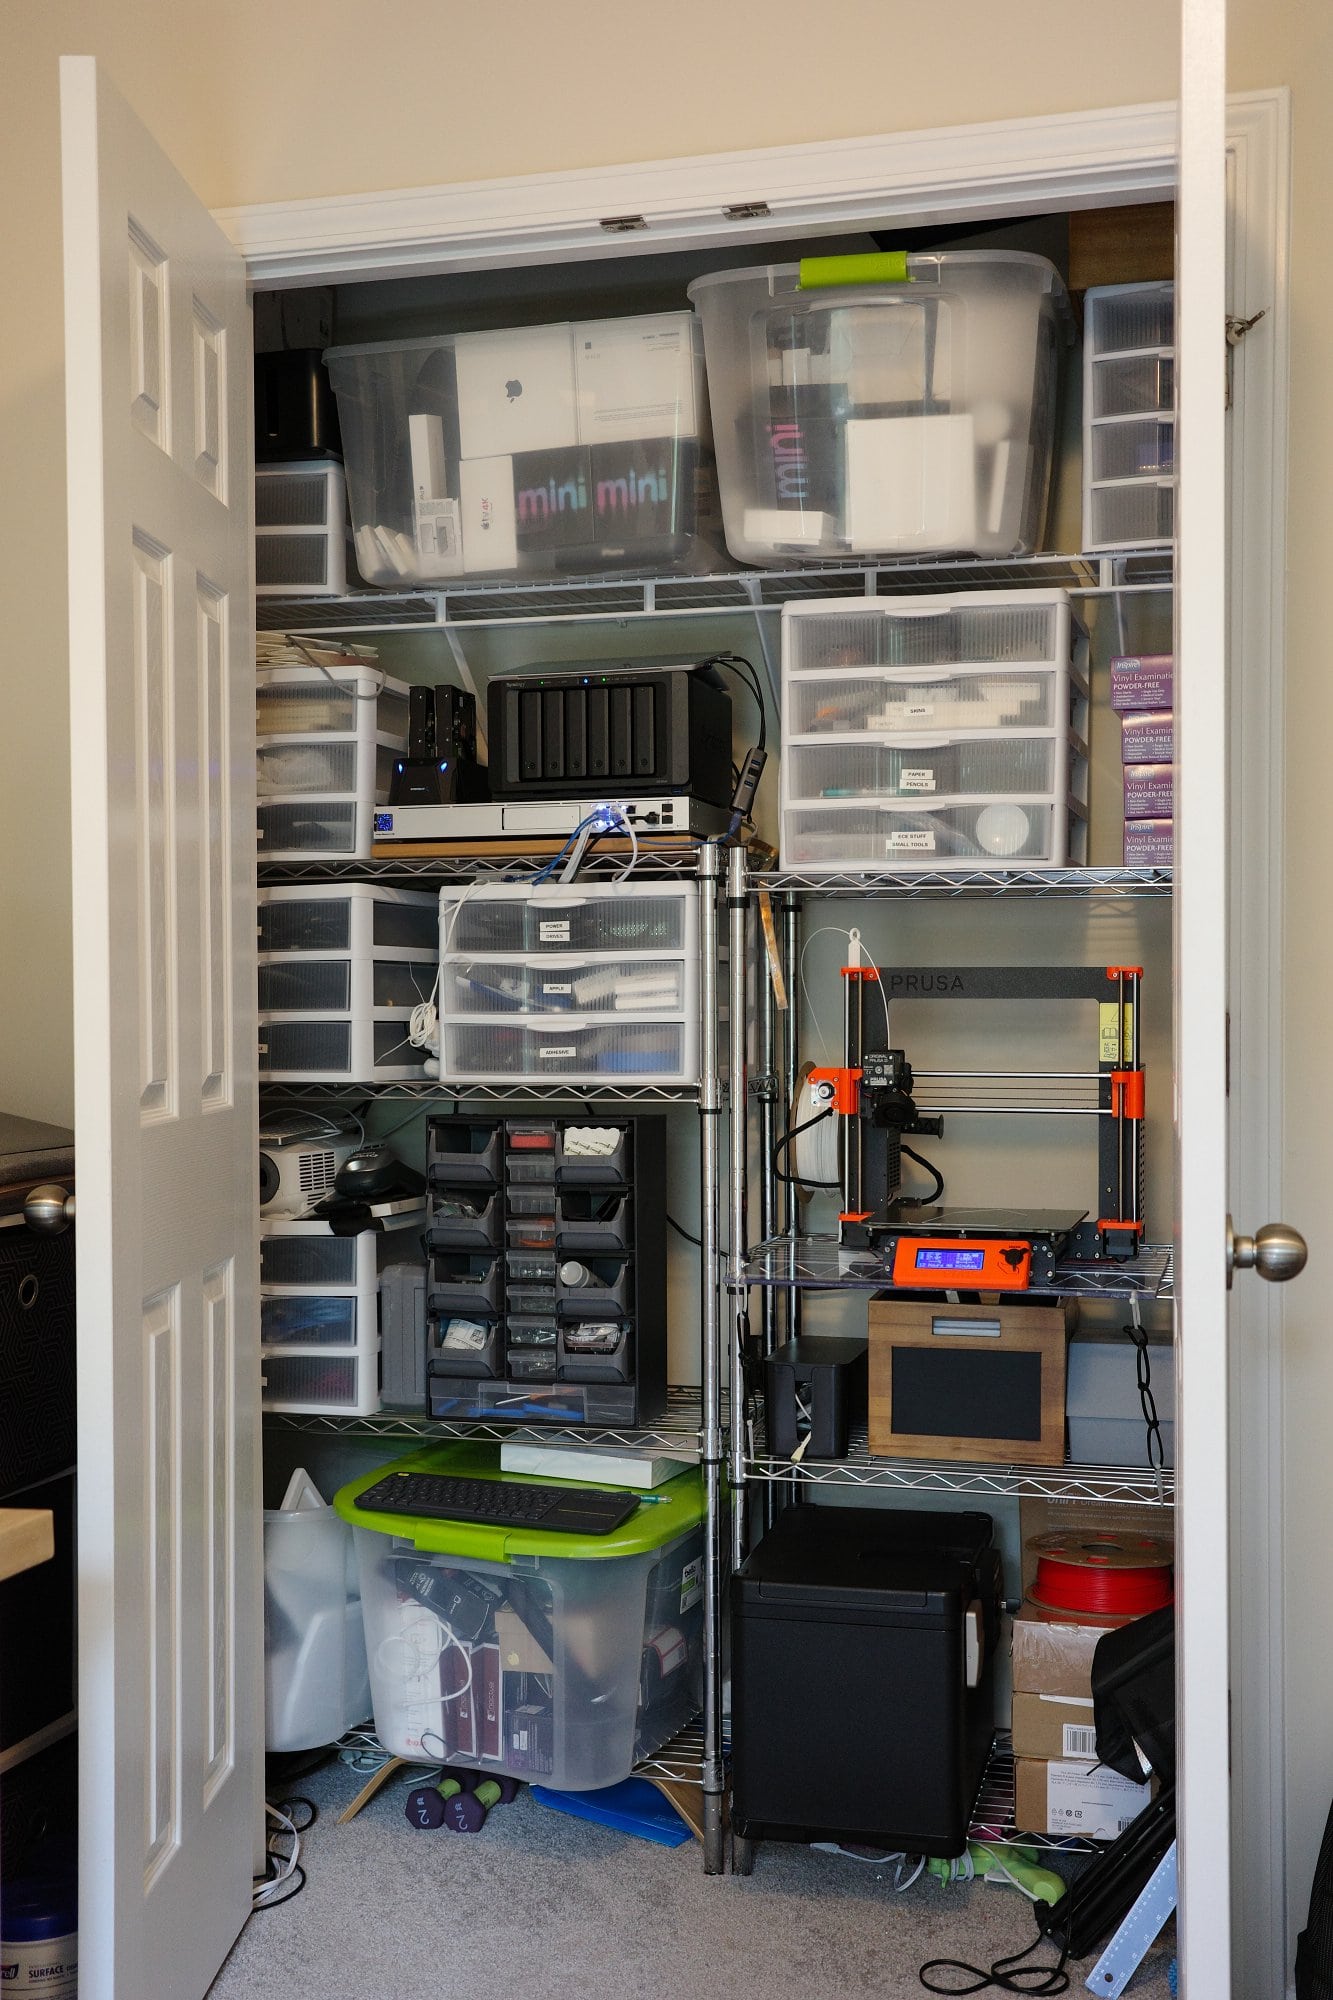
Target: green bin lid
664,1512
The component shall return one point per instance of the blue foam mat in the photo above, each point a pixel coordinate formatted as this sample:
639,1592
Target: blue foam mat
633,1806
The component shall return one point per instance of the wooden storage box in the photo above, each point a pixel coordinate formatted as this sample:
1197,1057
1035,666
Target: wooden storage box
974,1382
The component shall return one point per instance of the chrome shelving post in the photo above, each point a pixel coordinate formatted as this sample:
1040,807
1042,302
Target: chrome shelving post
738,926
711,1448
791,1059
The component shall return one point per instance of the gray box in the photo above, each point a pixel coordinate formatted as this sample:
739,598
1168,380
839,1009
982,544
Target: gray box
1106,1424
403,1335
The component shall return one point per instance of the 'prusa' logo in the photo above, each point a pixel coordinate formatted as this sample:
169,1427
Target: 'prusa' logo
899,983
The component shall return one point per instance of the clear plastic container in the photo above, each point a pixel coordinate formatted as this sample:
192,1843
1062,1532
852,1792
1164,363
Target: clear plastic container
545,1670
1137,515
876,704
909,413
1129,433
998,628
325,1049
966,766
530,451
655,1051
316,1681
513,917
578,986
1133,385
998,833
315,1382
1132,450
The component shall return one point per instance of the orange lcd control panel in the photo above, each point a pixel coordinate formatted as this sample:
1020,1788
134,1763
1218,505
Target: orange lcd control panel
941,1263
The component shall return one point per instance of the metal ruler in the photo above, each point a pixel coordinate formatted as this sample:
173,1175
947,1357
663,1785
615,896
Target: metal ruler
1138,1933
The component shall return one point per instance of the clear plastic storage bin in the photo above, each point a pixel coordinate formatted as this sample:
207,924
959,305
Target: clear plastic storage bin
527,451
884,406
316,1683
934,732
1129,427
325,756
551,1656
598,985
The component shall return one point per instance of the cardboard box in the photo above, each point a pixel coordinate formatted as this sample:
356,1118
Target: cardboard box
1149,843
1052,1655
1149,738
1060,1796
515,392
1142,681
490,518
1150,791
1054,1725
637,378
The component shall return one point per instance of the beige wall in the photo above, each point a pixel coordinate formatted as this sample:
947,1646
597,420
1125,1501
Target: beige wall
258,101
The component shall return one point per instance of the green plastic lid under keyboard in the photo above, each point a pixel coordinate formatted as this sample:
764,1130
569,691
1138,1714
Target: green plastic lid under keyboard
667,1511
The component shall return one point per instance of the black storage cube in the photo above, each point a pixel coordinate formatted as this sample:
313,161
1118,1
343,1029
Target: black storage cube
815,1388
852,1719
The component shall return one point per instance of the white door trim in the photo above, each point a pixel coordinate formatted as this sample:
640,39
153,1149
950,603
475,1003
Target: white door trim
1023,166
1020,167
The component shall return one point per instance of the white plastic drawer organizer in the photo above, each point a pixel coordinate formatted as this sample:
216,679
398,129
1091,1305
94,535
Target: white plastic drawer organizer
590,985
341,967
934,732
300,531
327,743
1129,423
319,1313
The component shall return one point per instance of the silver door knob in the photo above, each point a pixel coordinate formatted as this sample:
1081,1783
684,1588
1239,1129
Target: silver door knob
1277,1252
49,1210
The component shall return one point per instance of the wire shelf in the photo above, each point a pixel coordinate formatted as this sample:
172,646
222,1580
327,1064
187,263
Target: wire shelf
1094,883
993,1814
681,1760
822,1263
521,1090
447,868
741,591
1122,1485
677,1434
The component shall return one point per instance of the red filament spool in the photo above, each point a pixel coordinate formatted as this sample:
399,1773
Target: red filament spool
1107,1575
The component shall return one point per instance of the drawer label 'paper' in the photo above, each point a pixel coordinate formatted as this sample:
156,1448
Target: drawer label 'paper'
916,781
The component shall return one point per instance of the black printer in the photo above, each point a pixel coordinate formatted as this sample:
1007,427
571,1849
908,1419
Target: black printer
863,1666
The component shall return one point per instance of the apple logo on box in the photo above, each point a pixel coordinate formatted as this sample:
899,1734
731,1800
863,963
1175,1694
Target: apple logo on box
513,389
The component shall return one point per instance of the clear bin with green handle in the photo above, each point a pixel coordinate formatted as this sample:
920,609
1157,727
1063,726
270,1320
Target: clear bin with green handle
884,405
549,1656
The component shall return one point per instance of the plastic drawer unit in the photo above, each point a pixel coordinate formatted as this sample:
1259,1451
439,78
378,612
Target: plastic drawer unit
551,1656
527,451
341,967
590,985
546,1286
884,405
326,748
934,732
301,530
1129,416
879,1628
319,1313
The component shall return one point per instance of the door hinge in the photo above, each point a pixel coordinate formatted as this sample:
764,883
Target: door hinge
1227,1065
1236,332
746,211
617,225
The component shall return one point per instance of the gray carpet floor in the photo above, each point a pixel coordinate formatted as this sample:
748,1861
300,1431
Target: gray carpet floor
544,1905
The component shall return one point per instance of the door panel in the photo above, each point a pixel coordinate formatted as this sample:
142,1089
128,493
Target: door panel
1200,916
161,687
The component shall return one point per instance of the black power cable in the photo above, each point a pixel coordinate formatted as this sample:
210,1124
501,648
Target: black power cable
794,1132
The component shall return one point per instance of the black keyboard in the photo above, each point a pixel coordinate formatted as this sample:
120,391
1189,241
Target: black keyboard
501,1503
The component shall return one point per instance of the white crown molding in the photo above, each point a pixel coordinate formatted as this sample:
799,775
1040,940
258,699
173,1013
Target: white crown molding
1019,166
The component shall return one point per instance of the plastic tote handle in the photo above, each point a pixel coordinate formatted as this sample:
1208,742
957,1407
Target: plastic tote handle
877,267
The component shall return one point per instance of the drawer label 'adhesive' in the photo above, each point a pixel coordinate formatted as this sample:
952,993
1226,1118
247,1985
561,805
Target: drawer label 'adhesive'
557,1055
553,930
910,840
916,781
